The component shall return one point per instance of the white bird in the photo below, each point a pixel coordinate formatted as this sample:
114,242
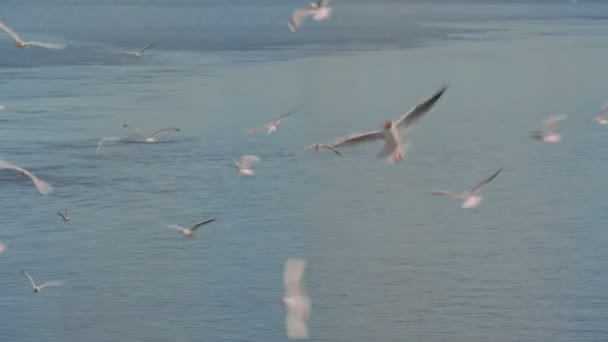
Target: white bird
244,165
138,53
100,143
38,288
65,216
296,300
317,147
548,131
20,43
41,185
153,137
600,118
271,126
471,199
2,247
393,147
319,10
189,232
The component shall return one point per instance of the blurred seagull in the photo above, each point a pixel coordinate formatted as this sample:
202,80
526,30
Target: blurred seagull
153,137
471,199
271,126
20,43
548,131
393,147
319,10
296,300
600,118
317,147
65,216
189,232
38,288
138,53
100,143
2,247
41,185
244,165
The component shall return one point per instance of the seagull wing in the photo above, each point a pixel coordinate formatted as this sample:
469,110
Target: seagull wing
146,47
46,45
292,277
202,223
298,16
100,143
247,160
6,165
282,117
419,110
50,283
61,214
446,193
176,227
478,187
253,130
164,131
42,186
29,277
550,124
296,327
331,149
359,138
10,32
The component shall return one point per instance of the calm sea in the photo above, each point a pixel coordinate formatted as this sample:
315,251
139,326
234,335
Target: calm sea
387,261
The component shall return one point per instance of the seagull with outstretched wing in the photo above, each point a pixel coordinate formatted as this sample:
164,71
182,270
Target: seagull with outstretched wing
21,43
470,199
318,10
189,232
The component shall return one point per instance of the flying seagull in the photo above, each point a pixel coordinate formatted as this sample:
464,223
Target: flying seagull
600,118
317,147
189,232
153,137
100,143
42,186
296,300
548,131
393,147
319,10
38,288
65,216
244,165
20,43
470,199
138,53
271,126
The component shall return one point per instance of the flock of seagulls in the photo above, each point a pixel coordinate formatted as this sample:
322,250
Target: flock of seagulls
392,133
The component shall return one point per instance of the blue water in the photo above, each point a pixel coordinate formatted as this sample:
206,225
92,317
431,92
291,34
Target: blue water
386,260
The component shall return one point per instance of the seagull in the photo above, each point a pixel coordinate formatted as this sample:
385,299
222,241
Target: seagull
151,138
100,143
65,216
41,185
38,288
393,147
189,232
548,131
2,247
471,199
317,147
600,118
271,126
319,10
20,43
296,299
244,165
138,53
